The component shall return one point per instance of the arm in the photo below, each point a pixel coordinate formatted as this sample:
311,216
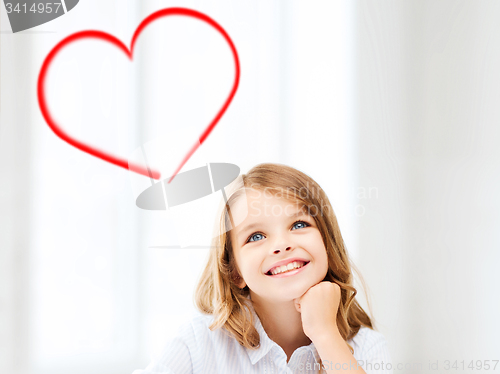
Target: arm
319,324
335,354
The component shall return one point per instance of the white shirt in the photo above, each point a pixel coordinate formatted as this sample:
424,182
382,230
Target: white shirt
197,350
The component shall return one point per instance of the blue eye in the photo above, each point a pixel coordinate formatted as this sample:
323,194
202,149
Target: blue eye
254,235
301,224
259,236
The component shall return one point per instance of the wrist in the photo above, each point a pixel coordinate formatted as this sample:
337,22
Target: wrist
327,336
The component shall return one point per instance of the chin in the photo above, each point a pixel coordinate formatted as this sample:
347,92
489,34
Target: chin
296,292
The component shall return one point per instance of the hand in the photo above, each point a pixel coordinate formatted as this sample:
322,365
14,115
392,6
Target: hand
318,307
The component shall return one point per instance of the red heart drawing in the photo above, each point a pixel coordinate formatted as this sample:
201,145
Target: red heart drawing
106,156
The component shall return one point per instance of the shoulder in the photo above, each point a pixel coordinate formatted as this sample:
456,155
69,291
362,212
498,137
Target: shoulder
196,335
193,347
195,331
370,345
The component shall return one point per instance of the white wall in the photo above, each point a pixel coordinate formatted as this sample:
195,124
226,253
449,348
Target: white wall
427,96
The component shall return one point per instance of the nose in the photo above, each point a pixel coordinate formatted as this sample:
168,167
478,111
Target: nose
281,242
276,251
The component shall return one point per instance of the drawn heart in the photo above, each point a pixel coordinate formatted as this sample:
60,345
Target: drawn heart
95,34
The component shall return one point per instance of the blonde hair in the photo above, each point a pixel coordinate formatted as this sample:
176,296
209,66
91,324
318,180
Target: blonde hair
217,292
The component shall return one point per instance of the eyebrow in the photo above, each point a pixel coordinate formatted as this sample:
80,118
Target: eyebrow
251,226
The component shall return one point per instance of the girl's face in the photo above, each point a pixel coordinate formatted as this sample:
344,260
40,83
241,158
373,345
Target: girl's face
277,232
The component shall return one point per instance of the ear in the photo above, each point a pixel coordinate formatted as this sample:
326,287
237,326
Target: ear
239,281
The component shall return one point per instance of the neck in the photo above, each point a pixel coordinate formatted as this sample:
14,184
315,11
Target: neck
282,323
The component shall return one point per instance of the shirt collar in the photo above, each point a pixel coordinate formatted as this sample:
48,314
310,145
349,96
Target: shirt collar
266,344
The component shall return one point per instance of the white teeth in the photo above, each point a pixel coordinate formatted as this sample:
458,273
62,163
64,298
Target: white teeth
284,268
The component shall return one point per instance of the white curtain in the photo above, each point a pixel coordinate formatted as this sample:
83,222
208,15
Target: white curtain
92,283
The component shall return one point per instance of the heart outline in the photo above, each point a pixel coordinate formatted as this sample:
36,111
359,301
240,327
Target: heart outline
101,35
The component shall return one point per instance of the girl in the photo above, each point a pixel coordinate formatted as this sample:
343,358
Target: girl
276,294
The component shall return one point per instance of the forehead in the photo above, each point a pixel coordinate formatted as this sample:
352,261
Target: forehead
259,206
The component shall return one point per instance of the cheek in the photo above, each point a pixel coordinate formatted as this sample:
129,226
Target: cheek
321,253
248,264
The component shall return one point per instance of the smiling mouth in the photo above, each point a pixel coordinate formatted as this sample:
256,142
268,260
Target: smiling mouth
286,268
